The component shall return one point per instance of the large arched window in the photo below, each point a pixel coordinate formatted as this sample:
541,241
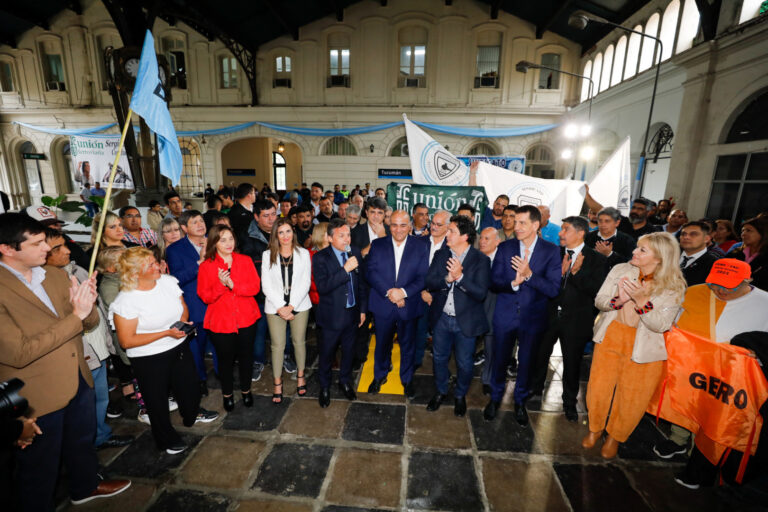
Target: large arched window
413,57
483,148
339,146
278,168
598,66
400,147
668,28
633,53
649,45
538,162
618,60
191,172
605,78
689,26
751,123
585,83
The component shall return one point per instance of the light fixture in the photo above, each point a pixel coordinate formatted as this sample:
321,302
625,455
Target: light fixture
280,147
585,130
587,153
202,140
567,153
571,131
371,148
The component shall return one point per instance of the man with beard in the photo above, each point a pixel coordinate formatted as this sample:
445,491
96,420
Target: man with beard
494,217
326,211
638,224
304,224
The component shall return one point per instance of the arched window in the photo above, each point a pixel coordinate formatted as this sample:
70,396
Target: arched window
51,55
175,50
339,146
598,66
400,147
689,26
488,58
605,78
338,60
538,162
751,124
483,148
282,71
413,57
618,60
585,83
649,45
228,75
191,173
668,28
549,79
750,9
6,76
633,53
278,168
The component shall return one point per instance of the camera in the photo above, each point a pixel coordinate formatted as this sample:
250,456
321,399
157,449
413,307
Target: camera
12,404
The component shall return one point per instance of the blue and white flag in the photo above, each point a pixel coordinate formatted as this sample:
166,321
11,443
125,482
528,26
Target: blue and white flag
148,101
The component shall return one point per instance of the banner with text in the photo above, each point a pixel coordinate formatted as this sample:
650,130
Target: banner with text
513,163
92,159
402,196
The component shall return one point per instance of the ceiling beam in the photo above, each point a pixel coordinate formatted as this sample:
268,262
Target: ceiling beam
291,28
495,5
544,25
13,9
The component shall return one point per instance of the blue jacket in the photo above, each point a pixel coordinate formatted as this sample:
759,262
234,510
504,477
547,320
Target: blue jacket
331,282
182,261
468,294
529,303
380,273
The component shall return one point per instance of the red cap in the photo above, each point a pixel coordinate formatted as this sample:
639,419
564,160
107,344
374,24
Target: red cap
729,273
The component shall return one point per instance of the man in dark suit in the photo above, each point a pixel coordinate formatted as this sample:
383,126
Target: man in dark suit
183,259
326,211
364,234
342,307
572,312
608,240
395,270
458,280
696,259
525,274
241,213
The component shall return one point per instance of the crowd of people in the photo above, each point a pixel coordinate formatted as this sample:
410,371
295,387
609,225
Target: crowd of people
259,265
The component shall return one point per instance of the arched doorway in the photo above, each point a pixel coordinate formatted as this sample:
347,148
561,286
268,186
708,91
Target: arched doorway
252,160
32,177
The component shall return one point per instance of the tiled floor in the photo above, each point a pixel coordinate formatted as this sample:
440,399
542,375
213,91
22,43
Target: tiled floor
384,453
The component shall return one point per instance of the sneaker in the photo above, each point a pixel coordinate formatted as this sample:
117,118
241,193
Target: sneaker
176,448
289,365
686,481
480,358
257,369
172,405
143,416
206,416
112,387
105,489
667,449
113,411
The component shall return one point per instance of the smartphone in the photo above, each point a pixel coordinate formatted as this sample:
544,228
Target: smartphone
187,329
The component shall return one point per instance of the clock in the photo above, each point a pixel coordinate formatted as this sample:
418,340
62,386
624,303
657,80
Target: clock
131,67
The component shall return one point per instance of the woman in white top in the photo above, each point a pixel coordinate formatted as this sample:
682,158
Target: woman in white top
286,275
143,313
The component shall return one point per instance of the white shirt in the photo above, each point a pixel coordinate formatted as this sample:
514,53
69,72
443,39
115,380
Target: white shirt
198,248
576,251
433,247
371,235
744,314
607,237
35,285
693,257
526,252
316,206
156,309
398,254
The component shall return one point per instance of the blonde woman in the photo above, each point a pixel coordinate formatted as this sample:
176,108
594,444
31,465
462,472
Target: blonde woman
286,274
638,302
147,314
112,236
170,232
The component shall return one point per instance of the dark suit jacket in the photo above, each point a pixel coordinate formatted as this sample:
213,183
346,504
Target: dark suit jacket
529,302
623,246
380,274
468,294
240,219
359,236
331,282
697,272
759,268
182,261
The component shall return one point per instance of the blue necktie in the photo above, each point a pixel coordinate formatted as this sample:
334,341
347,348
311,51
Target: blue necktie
350,290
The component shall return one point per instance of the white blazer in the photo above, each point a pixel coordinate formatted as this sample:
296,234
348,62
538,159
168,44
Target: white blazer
272,282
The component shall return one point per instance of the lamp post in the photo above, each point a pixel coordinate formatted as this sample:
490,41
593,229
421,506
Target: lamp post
523,66
579,20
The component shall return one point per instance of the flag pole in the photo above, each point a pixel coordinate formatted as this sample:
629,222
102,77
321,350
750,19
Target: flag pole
108,196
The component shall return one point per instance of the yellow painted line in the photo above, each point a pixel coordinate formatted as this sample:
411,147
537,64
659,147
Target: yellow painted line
393,386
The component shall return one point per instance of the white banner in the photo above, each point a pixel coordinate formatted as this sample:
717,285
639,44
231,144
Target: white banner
612,184
431,163
92,158
564,197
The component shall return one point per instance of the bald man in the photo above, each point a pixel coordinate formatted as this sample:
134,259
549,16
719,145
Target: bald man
549,231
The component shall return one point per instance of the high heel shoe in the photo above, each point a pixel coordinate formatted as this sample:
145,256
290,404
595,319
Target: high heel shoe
301,390
591,440
229,402
247,399
277,398
610,448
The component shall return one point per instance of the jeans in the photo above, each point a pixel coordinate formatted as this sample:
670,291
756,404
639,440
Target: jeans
448,337
100,387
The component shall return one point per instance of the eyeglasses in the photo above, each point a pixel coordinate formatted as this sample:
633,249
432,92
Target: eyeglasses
717,287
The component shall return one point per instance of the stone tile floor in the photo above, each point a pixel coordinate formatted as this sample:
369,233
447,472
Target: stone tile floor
384,453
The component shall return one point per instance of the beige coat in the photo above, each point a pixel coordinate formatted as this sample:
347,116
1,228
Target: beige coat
649,341
38,347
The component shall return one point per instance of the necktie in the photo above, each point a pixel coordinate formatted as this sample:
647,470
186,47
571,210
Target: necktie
569,253
685,261
350,290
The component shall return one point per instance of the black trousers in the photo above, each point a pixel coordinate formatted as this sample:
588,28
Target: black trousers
68,435
233,345
174,370
344,333
362,339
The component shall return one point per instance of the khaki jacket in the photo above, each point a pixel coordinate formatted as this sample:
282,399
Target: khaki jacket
38,347
649,340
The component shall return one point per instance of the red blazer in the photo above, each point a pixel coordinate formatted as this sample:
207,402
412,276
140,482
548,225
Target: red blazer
229,310
314,297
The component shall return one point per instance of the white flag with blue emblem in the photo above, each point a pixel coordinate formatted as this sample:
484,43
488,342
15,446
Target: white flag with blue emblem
148,101
431,163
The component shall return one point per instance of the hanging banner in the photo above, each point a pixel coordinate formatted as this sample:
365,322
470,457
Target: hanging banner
92,159
564,197
513,163
612,183
431,163
402,196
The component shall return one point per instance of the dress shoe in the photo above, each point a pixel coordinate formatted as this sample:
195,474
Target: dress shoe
521,415
591,439
435,402
325,397
460,407
248,399
610,448
570,413
375,386
489,413
203,388
347,391
105,489
410,390
115,441
229,403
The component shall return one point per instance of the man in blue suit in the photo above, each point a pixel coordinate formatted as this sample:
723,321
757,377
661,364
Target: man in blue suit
395,269
184,257
458,280
342,307
525,275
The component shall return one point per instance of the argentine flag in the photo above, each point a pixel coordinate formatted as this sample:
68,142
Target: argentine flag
148,101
